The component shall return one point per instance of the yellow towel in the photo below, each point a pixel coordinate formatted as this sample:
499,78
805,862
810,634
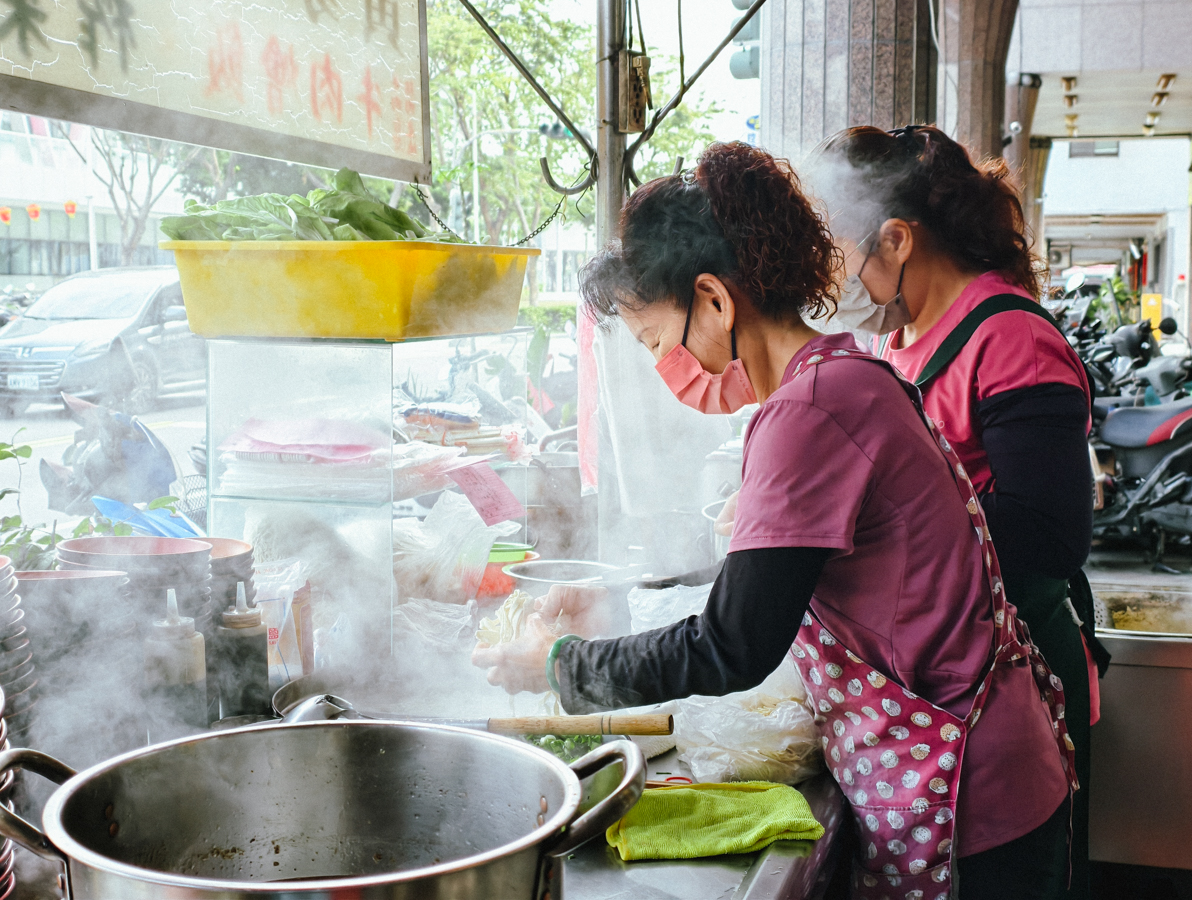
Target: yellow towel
689,821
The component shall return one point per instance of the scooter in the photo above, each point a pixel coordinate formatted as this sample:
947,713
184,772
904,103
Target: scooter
1144,477
114,455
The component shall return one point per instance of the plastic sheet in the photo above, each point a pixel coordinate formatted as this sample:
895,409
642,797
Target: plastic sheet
766,734
443,558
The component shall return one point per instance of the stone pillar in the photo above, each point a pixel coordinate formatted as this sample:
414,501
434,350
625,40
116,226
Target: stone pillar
830,64
974,37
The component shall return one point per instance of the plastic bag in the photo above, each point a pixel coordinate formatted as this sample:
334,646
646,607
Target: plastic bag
650,609
275,585
448,626
445,556
420,468
766,734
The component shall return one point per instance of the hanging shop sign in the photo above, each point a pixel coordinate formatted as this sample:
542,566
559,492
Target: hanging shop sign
6,215
70,207
326,82
33,211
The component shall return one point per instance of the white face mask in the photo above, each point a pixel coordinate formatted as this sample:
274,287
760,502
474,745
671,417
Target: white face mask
884,318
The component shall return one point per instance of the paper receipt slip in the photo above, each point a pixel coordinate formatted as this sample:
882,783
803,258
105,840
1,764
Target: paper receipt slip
712,819
489,495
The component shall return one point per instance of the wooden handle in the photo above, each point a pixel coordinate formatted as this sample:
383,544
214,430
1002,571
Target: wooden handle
652,723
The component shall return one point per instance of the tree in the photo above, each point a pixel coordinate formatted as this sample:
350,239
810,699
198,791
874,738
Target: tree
213,175
136,171
477,94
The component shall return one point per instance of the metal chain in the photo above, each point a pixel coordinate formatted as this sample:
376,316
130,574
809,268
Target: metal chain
433,214
529,237
541,228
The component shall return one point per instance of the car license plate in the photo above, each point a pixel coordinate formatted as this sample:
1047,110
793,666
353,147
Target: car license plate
23,382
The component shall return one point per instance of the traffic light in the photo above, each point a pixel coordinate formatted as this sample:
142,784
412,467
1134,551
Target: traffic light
747,61
554,131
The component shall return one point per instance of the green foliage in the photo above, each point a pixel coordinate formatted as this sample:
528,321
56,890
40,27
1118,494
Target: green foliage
1116,304
552,317
349,207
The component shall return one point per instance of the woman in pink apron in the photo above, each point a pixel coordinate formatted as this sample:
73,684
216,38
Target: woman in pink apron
859,548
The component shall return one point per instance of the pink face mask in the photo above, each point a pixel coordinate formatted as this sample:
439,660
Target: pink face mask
700,389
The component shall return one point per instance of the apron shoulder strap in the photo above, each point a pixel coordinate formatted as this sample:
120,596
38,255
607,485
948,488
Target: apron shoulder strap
959,336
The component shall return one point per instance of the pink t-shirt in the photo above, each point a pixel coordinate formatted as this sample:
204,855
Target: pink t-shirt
839,458
1011,350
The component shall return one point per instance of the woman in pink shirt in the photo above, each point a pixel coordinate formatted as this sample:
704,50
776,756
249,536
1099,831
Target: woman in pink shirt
859,548
938,243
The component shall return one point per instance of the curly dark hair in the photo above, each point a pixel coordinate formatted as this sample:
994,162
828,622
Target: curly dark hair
742,217
971,209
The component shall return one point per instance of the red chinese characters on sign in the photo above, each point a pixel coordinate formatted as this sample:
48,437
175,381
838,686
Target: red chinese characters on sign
326,90
281,73
225,63
33,211
370,99
71,208
407,118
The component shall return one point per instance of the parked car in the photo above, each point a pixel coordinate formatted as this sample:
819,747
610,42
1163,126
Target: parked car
118,336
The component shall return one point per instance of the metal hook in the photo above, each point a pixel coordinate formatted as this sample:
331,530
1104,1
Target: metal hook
631,173
568,191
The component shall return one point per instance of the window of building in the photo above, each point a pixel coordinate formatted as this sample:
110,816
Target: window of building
1092,148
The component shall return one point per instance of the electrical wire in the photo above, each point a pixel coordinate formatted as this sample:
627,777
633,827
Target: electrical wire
641,32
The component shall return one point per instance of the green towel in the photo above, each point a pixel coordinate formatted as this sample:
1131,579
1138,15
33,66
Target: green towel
690,821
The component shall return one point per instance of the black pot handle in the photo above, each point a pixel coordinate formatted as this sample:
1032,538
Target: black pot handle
13,826
609,810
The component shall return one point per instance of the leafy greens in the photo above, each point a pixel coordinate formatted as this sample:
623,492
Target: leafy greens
347,212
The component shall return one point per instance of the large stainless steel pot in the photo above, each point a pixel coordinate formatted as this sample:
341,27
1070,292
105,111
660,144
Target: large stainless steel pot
345,809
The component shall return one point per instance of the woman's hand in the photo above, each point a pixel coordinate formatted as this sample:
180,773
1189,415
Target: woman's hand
728,515
520,665
576,609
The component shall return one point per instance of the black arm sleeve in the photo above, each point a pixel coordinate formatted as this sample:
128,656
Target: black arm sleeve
751,620
1040,510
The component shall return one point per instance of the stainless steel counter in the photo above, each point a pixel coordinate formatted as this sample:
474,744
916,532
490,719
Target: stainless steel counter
786,870
1140,798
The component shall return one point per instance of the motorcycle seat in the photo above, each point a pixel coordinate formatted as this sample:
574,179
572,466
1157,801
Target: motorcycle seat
1145,426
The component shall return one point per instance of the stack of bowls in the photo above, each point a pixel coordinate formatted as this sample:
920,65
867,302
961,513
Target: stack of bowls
69,613
8,877
17,676
153,565
231,562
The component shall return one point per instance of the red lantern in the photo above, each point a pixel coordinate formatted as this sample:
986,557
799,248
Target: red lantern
34,212
6,215
71,208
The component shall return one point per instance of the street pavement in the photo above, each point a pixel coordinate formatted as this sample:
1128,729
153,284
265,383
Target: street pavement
177,421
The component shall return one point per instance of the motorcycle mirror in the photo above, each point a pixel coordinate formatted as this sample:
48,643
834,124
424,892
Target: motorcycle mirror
1074,282
1168,326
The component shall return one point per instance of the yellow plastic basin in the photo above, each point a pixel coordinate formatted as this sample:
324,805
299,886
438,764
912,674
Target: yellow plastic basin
381,290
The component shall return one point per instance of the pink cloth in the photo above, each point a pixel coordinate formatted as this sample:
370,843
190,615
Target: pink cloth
1011,350
1094,682
840,459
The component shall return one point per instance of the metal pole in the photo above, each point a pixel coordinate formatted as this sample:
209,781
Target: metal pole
92,241
475,171
610,143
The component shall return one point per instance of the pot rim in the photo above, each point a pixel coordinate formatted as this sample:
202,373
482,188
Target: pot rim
77,853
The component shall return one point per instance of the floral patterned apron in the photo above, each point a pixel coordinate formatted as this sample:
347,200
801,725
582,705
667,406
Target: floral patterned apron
896,756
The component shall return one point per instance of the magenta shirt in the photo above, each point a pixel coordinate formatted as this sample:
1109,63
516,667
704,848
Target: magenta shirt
1011,350
839,458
